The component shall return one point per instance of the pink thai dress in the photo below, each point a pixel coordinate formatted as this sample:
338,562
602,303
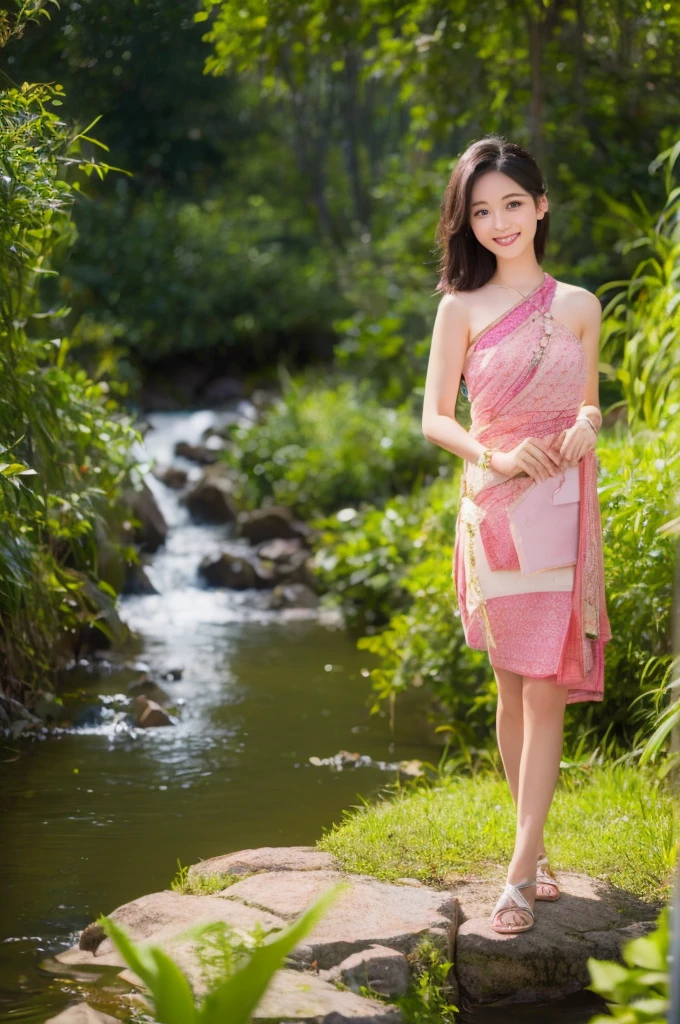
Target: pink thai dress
525,376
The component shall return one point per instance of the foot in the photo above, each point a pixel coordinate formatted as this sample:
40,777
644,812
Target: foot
546,883
514,911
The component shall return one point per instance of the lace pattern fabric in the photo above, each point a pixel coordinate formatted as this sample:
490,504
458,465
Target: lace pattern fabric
526,381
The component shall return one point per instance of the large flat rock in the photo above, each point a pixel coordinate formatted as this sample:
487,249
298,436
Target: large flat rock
297,996
274,885
160,917
591,918
368,912
265,858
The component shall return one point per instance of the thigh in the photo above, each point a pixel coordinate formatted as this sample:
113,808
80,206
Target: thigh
544,696
510,686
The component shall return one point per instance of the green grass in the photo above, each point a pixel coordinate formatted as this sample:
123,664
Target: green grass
613,822
202,885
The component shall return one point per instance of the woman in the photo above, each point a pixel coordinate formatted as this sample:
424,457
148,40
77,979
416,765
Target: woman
527,561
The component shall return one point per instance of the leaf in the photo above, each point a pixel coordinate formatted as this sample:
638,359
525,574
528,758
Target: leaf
605,975
236,998
650,950
169,986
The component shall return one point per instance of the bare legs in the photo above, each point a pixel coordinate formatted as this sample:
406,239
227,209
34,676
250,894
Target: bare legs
529,726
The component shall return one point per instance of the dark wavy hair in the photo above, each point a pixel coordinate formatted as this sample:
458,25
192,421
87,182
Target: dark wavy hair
465,264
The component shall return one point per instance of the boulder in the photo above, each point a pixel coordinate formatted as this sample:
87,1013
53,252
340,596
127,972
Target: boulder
204,454
238,572
148,688
162,918
591,918
153,529
384,970
212,499
270,523
297,568
151,714
278,550
171,476
16,712
293,595
82,1013
136,580
370,935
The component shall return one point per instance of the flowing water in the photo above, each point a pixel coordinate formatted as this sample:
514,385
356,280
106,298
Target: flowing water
98,813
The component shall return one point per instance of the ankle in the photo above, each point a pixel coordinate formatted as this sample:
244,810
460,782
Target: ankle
518,874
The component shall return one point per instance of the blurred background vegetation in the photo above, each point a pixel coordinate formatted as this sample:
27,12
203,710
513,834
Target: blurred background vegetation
197,199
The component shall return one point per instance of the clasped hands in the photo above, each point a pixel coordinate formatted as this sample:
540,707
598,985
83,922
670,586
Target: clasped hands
543,457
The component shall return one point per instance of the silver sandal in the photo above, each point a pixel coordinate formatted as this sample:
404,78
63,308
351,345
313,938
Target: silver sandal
545,878
512,899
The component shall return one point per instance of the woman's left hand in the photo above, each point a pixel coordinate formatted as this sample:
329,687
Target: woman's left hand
574,442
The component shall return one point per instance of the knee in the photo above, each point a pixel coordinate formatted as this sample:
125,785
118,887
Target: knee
510,704
544,698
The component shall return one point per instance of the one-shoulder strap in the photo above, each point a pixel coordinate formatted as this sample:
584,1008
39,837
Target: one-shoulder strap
539,300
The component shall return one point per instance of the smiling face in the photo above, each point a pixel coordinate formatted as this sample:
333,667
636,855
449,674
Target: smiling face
503,215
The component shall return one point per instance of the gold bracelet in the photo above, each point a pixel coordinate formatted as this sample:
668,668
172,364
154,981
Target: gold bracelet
484,460
589,422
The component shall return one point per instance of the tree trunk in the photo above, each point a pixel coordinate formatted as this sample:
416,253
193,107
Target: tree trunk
535,31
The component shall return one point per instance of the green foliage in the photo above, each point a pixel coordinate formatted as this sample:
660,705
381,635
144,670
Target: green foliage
209,275
201,885
232,997
638,485
64,442
637,993
665,720
641,323
428,1000
394,565
325,445
389,280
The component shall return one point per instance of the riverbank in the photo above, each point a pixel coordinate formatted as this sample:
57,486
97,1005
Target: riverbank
424,873
271,741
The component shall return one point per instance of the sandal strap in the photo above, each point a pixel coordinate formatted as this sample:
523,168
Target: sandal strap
544,873
512,892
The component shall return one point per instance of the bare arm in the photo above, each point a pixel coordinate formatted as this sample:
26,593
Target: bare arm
590,339
444,371
575,442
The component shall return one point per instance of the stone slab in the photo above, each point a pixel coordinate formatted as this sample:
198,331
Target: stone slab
368,912
265,858
591,918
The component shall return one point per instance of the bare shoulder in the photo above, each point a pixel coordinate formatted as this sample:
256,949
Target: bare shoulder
580,310
582,303
454,302
454,308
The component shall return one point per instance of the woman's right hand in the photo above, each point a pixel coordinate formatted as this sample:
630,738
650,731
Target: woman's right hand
534,456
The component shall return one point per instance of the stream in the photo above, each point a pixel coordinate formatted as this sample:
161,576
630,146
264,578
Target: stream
97,812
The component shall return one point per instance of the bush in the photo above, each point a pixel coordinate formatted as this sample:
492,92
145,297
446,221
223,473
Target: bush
393,566
321,447
65,445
